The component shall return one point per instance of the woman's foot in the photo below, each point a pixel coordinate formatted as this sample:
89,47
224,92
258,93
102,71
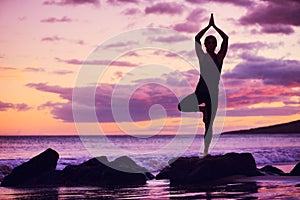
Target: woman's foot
204,155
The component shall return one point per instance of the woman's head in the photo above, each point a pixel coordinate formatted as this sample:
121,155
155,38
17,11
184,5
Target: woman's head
210,43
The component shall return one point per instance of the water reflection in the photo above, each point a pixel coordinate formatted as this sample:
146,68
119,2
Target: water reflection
160,189
234,190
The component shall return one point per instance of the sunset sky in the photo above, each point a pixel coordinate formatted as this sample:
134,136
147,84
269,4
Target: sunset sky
145,50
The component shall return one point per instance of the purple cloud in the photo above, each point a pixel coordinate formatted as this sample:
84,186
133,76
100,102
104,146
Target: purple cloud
245,3
242,93
118,2
139,102
56,20
71,2
65,93
8,68
149,92
169,39
57,38
19,107
276,13
5,106
33,69
275,111
97,62
196,15
192,22
165,8
252,45
188,27
62,72
131,11
51,39
270,71
132,53
277,29
120,44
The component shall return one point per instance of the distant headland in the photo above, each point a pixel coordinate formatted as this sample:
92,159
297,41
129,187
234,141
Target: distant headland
290,127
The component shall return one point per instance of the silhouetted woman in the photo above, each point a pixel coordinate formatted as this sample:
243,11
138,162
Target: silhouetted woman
207,89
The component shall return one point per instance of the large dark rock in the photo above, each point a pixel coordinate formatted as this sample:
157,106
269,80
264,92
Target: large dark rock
190,170
100,172
30,171
40,171
296,170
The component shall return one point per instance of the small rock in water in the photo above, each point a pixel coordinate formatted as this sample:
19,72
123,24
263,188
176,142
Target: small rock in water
296,170
270,170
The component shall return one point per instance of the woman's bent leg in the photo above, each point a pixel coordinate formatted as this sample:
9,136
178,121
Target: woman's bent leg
189,104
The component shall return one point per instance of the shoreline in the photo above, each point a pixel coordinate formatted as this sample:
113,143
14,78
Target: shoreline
238,177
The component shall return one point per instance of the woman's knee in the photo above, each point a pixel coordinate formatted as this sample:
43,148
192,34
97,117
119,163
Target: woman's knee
179,107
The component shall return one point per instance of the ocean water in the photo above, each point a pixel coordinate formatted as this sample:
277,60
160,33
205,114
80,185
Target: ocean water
153,153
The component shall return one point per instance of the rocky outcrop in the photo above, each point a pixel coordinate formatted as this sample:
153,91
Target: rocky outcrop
35,168
270,170
210,168
121,171
40,171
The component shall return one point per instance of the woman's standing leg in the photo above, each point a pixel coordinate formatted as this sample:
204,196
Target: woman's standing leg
208,117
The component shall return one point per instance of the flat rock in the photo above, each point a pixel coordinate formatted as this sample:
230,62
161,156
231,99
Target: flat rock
190,170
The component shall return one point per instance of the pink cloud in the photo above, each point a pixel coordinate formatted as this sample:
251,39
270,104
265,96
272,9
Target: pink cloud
5,106
118,2
253,45
51,39
56,20
62,72
132,53
65,93
97,62
276,111
196,15
132,11
245,94
165,8
277,29
33,69
71,2
8,68
169,39
246,3
120,44
192,22
19,107
188,27
57,38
